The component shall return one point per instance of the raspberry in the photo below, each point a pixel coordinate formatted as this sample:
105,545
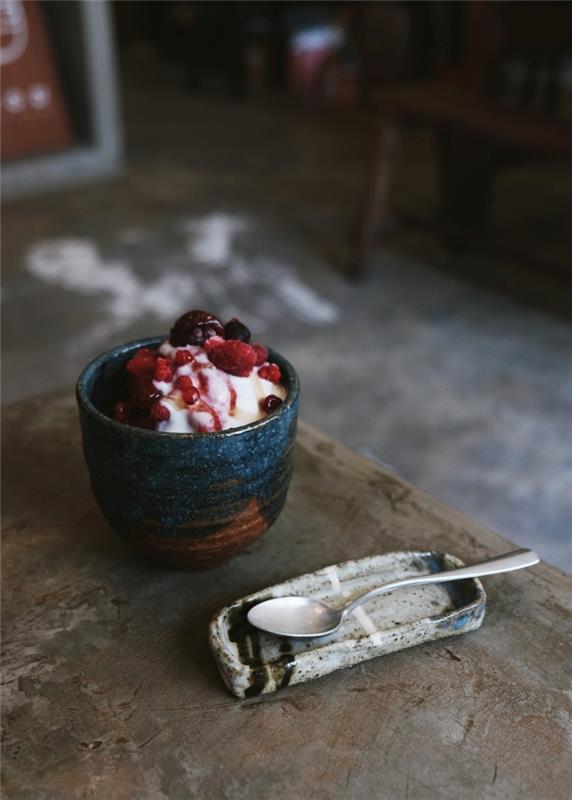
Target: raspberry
163,371
159,412
121,412
270,373
182,357
195,327
213,342
163,374
191,395
270,403
261,354
142,363
237,358
234,329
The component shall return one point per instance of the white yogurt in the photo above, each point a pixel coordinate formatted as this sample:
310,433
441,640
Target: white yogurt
226,401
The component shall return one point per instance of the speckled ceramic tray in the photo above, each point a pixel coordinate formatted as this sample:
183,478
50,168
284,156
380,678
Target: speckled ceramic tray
253,663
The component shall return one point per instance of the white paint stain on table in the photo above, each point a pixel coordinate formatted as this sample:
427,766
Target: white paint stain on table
211,238
214,275
77,266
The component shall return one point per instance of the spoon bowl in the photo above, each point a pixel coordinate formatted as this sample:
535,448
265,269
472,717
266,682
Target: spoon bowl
298,617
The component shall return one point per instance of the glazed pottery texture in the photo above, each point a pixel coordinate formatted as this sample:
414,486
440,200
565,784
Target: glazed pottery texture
189,500
252,662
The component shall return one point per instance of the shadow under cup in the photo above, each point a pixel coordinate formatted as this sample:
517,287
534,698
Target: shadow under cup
189,500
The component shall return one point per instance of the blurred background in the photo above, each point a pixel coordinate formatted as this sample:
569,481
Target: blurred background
381,191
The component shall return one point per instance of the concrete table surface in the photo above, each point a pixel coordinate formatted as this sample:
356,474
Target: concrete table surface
110,690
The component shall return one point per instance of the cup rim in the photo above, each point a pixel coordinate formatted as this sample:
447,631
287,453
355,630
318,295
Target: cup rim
85,402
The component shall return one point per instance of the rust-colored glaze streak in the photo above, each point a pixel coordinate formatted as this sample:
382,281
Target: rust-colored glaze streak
206,552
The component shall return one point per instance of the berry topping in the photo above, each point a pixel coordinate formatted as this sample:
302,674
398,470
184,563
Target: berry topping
163,371
203,382
182,357
184,382
261,354
213,342
271,373
121,412
191,395
190,381
159,412
195,327
142,363
234,329
270,403
144,393
237,358
188,389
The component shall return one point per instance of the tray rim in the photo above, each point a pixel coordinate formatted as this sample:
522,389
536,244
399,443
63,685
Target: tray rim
228,662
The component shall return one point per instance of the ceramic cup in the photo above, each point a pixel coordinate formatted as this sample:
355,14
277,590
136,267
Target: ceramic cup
189,500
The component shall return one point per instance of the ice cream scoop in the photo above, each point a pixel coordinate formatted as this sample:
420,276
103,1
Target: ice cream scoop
219,399
205,377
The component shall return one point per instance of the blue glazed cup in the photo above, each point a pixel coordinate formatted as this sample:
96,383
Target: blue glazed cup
189,500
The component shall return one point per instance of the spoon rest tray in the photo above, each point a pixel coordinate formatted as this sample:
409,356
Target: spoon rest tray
252,662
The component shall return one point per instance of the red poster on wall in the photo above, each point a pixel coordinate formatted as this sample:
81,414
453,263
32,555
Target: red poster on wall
34,117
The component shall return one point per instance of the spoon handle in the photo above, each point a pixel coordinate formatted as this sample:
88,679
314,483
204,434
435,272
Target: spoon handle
517,559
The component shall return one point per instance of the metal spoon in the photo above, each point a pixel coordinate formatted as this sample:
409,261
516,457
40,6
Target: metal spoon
303,617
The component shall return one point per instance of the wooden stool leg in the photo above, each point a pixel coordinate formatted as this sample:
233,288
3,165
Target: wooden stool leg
374,207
